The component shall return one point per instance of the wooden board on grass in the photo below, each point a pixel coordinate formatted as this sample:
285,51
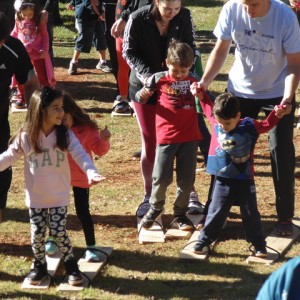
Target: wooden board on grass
53,262
187,253
155,234
89,269
14,109
279,243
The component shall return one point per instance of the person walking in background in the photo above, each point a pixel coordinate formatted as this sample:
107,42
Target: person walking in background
123,10
34,35
45,143
14,60
177,134
89,21
265,73
230,160
122,105
154,24
94,141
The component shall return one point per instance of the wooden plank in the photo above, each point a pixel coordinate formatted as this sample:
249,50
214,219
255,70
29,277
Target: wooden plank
16,110
279,243
155,234
187,252
90,269
52,266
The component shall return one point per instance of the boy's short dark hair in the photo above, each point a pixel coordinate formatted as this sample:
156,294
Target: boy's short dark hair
226,106
4,27
180,53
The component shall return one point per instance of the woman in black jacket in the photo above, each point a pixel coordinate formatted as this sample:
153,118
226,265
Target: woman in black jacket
146,40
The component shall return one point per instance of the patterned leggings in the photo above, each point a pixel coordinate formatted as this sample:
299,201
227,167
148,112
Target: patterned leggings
56,219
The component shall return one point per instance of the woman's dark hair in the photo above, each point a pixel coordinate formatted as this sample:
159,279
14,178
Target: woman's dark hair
226,106
155,11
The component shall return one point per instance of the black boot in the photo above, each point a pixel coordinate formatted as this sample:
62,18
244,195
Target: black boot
73,273
38,273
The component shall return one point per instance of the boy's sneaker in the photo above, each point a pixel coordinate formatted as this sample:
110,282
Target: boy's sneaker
72,270
143,207
38,273
51,246
200,248
103,66
151,216
194,207
92,255
261,251
73,68
182,222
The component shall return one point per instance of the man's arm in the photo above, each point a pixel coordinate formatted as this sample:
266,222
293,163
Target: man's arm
292,77
215,63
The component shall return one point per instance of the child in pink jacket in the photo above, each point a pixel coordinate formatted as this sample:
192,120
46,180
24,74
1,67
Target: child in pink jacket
34,35
94,141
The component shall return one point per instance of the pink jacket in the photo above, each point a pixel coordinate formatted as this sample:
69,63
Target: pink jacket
35,40
92,143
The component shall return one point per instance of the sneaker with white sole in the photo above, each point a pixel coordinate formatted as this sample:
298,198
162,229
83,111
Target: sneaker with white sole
103,66
51,246
73,273
182,222
38,273
151,216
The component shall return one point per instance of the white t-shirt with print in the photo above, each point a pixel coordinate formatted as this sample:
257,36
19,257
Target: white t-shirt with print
260,65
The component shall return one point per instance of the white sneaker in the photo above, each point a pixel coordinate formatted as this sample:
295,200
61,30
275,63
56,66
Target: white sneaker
92,255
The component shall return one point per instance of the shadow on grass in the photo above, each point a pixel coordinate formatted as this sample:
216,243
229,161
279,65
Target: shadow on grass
151,283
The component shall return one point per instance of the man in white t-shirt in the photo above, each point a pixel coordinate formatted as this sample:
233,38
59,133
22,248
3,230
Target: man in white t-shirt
265,72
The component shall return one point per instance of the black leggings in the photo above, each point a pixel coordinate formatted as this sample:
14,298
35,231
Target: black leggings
81,199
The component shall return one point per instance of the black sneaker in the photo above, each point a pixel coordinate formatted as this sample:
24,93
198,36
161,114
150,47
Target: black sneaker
182,222
72,270
200,248
38,273
151,216
122,107
260,251
143,207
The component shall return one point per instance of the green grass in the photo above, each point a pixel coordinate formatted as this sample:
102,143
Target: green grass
151,271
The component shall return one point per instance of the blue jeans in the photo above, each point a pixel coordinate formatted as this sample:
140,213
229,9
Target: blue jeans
225,192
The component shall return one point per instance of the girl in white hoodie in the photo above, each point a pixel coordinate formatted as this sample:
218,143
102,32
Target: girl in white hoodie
44,143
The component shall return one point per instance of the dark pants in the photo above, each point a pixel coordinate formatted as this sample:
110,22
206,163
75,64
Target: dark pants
6,175
282,152
225,192
205,142
81,199
110,10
